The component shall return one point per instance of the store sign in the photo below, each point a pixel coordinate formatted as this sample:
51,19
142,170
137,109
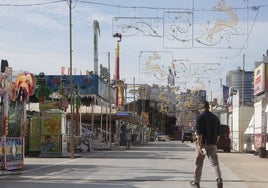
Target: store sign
257,141
258,117
260,77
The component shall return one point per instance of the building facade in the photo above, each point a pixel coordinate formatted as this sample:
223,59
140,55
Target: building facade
234,79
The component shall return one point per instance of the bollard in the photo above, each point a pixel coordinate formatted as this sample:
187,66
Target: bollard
262,152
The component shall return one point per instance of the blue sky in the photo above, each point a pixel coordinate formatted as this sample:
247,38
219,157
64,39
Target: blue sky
34,37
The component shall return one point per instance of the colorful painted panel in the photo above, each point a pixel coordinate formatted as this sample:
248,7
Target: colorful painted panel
14,153
35,133
86,84
51,125
50,144
2,146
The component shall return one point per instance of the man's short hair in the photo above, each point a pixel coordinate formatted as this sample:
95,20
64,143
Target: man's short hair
205,105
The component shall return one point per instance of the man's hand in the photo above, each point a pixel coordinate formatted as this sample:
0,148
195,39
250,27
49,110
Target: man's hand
199,146
218,138
199,140
201,149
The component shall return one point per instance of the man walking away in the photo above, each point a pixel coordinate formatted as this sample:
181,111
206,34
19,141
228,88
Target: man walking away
208,134
128,138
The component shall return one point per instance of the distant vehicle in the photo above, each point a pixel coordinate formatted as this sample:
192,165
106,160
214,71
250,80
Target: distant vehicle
163,137
188,136
225,141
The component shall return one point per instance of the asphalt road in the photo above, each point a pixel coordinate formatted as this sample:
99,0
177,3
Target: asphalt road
153,165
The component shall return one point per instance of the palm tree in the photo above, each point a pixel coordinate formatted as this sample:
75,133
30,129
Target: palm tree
42,92
96,32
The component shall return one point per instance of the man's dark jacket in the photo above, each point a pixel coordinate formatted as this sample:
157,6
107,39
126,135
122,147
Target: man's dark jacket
208,125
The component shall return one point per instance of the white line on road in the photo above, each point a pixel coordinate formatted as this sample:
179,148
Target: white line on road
55,164
47,166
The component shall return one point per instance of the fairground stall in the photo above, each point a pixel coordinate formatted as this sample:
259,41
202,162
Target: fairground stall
14,96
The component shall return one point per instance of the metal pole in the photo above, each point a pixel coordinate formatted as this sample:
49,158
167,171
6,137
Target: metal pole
106,122
117,74
71,84
134,104
101,125
117,68
243,80
110,104
241,131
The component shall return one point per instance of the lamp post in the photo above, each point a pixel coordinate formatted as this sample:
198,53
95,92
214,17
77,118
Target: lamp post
117,78
117,66
110,104
71,84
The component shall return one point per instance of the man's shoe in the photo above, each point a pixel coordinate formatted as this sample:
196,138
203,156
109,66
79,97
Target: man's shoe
194,184
219,183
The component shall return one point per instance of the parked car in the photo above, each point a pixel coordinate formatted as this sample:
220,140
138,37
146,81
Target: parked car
188,136
163,137
225,141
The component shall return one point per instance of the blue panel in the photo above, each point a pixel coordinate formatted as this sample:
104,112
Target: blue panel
122,113
86,84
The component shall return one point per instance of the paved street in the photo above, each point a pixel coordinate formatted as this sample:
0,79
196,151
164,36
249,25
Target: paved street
159,164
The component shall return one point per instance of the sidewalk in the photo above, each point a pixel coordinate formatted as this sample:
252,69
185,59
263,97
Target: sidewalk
250,169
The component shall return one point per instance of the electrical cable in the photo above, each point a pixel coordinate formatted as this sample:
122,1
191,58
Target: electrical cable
250,31
31,4
161,8
127,7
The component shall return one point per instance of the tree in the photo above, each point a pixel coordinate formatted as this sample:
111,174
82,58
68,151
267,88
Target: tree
42,92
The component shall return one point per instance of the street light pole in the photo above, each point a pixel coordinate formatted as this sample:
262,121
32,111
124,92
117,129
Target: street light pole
117,66
117,78
110,103
71,84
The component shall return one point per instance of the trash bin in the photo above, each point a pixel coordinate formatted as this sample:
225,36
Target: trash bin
262,152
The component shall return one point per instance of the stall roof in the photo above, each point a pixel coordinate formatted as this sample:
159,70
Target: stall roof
128,117
123,116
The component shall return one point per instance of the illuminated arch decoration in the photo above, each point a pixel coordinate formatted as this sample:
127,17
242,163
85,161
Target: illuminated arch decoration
138,26
221,27
208,67
195,82
155,66
180,66
205,68
178,29
158,66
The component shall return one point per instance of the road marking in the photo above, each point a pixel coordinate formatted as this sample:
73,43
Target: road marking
47,166
54,164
